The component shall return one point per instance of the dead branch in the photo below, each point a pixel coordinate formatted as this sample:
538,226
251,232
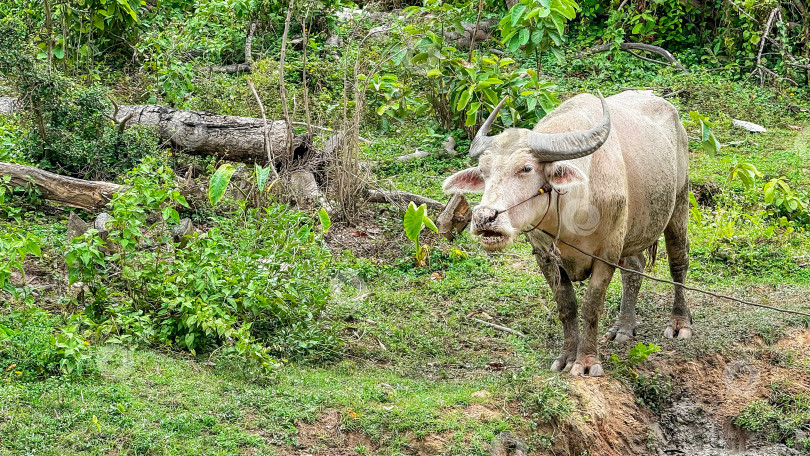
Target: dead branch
401,197
268,148
282,85
249,42
245,67
418,154
232,138
765,32
307,114
630,47
499,327
231,69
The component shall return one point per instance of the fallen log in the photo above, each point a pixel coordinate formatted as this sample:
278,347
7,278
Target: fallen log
233,68
78,193
232,138
630,47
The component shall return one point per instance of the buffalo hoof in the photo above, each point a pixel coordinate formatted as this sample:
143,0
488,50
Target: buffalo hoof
619,334
563,363
679,328
588,365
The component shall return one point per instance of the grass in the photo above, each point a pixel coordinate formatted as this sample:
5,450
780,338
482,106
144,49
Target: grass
413,355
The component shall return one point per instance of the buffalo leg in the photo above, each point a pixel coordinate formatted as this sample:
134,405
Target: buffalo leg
677,242
588,362
567,305
625,328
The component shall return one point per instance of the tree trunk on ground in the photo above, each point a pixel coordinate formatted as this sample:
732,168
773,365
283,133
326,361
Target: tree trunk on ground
78,193
232,138
227,137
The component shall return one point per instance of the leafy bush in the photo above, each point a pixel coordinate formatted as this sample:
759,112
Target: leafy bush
719,33
461,86
14,248
66,126
255,283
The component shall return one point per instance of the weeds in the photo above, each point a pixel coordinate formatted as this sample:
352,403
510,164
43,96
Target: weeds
784,417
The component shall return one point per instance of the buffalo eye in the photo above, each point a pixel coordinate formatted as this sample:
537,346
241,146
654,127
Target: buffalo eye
526,169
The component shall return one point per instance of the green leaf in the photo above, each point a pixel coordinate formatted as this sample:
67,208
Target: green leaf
517,13
419,58
514,43
769,192
219,182
472,113
326,222
434,72
524,36
429,223
637,28
262,176
463,99
414,221
98,21
537,36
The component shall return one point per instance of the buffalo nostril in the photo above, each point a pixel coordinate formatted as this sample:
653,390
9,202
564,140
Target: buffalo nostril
486,216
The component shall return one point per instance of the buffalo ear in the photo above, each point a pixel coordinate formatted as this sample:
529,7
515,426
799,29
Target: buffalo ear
565,175
468,181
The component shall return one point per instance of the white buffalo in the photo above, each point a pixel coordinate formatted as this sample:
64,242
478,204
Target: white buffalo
610,190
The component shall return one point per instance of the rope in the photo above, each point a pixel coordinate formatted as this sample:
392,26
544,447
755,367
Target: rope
685,287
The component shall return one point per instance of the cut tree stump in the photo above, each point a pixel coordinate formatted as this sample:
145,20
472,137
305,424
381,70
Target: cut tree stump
455,217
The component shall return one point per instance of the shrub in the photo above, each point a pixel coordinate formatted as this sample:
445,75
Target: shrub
64,125
255,283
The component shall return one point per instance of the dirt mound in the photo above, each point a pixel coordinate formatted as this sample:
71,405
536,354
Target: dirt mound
607,422
324,437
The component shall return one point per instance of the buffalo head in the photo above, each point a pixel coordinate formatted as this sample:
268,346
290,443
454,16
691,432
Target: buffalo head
514,166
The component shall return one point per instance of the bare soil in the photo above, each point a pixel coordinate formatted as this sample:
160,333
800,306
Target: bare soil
707,394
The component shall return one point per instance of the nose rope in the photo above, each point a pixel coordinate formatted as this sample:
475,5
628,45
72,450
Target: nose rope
546,188
548,206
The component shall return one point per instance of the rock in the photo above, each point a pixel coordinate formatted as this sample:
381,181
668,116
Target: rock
180,234
100,224
750,126
449,146
506,444
75,226
304,187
